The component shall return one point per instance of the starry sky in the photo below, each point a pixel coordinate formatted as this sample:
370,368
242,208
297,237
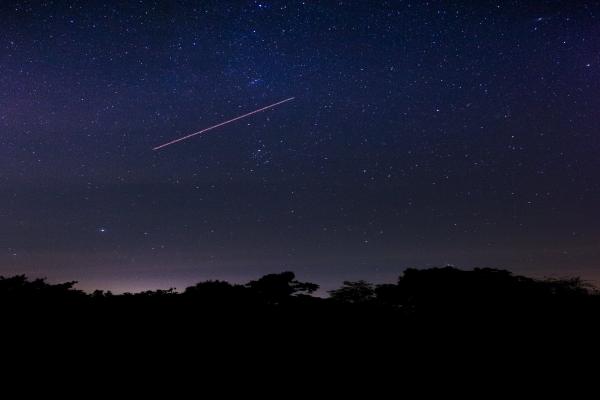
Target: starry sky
423,133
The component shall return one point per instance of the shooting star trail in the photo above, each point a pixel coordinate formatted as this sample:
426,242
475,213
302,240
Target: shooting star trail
222,123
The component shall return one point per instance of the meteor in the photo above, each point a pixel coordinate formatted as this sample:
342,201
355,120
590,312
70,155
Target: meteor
222,123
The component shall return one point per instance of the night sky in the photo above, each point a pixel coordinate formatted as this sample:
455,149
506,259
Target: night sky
421,134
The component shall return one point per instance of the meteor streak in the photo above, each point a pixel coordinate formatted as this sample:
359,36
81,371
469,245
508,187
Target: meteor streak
222,123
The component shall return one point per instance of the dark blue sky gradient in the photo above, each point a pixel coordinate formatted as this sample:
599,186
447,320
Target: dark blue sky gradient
422,134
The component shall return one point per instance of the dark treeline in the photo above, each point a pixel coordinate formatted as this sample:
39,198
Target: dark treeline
436,293
488,313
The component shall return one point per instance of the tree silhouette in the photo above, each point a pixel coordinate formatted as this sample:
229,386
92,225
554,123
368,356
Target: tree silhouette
359,292
445,294
20,287
279,288
218,293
